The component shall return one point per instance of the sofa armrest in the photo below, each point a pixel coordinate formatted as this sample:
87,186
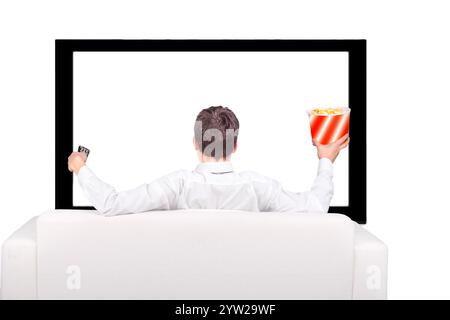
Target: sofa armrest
370,266
19,270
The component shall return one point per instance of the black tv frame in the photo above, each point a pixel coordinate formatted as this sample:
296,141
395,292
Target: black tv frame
65,48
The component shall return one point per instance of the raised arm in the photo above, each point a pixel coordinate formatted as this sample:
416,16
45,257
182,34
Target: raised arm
317,199
273,197
161,194
322,187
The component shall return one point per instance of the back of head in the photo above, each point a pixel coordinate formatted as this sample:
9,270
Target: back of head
216,131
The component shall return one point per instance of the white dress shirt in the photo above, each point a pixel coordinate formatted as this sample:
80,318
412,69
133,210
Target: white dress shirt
212,185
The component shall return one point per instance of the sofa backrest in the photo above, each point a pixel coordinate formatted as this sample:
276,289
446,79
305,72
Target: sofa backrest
194,254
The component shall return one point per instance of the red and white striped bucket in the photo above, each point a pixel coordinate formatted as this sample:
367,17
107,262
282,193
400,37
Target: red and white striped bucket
329,124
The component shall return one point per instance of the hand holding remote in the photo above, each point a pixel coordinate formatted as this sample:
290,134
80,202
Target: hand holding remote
77,159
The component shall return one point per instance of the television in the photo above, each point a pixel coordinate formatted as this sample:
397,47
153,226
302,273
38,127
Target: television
133,103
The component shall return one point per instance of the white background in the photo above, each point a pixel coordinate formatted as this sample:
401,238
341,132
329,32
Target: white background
145,104
408,104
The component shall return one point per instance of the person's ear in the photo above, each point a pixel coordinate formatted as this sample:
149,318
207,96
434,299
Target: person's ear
235,147
194,143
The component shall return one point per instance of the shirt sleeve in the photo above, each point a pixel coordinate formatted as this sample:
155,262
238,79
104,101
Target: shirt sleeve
317,199
161,194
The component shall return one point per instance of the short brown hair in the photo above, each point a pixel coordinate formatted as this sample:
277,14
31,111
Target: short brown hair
211,126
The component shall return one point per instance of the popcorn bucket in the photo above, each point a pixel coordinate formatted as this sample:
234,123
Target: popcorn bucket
329,124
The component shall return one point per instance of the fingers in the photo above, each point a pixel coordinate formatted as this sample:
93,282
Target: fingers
73,160
72,155
316,143
68,162
345,144
342,139
78,154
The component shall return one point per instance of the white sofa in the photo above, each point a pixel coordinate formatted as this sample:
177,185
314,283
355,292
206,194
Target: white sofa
193,254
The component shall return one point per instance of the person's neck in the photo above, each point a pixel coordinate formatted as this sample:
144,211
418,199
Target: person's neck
212,159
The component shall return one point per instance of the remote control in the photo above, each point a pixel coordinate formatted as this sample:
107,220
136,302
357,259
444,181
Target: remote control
84,149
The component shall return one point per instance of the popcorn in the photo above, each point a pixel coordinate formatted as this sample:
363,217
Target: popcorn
329,124
327,111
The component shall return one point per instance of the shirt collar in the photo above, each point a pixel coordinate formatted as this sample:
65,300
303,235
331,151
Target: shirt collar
215,167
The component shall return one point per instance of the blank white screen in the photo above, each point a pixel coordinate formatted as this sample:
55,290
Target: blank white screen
136,112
